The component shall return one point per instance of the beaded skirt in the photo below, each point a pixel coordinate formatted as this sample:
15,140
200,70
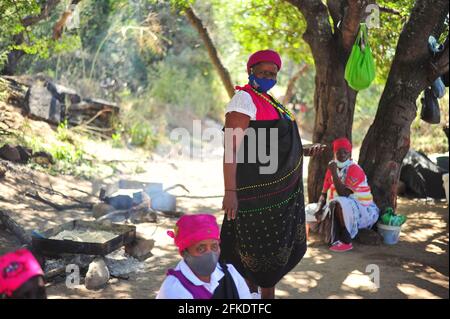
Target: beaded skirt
268,238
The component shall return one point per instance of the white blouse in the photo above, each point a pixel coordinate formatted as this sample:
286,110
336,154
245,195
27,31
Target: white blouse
173,289
242,102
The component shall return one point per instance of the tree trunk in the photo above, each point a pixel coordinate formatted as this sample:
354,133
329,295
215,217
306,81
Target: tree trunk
212,51
291,84
334,103
334,100
13,57
413,69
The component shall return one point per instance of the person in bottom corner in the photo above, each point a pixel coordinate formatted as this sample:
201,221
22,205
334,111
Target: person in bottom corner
21,276
199,275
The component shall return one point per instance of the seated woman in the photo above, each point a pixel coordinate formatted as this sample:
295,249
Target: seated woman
199,275
21,276
346,203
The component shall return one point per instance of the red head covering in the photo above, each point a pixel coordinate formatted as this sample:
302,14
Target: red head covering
264,56
17,268
190,229
342,143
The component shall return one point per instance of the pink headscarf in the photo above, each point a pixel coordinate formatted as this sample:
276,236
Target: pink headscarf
264,56
17,268
190,229
342,143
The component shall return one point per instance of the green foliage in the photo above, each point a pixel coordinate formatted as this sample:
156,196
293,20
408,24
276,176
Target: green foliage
63,133
116,139
271,24
186,81
365,111
383,40
67,153
141,123
142,135
29,39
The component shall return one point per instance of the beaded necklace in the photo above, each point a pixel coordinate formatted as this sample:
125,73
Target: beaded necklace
284,111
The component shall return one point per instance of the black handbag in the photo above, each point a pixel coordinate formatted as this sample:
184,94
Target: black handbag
430,108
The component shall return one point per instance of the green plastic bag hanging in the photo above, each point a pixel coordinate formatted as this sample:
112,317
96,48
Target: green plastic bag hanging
360,68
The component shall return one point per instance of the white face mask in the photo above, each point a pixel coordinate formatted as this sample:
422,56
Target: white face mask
343,164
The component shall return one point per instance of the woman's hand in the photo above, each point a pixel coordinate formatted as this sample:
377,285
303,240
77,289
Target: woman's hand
314,149
230,204
332,166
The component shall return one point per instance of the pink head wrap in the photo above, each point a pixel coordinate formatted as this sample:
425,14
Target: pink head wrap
264,56
16,268
342,143
190,229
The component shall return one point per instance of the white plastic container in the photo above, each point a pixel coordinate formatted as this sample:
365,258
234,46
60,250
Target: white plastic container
389,233
310,210
164,202
153,188
445,181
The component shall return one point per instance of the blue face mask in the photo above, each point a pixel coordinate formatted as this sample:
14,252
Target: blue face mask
261,84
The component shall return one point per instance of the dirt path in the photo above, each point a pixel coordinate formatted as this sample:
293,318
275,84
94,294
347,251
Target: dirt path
417,267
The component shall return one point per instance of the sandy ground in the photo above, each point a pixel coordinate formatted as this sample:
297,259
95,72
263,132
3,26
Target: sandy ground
417,267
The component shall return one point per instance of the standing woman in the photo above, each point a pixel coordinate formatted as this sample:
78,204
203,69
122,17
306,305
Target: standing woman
263,232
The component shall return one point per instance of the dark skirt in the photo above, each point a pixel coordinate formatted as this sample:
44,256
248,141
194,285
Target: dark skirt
268,238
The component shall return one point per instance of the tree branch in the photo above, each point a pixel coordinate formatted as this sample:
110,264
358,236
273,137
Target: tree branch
290,88
58,207
350,24
419,27
212,51
318,32
389,10
46,9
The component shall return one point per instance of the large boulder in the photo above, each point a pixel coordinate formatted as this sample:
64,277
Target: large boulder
10,153
42,104
97,275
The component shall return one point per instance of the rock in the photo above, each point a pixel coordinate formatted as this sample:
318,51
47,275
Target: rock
42,104
122,266
9,153
101,209
43,158
142,213
369,237
140,248
25,153
142,216
97,275
63,93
